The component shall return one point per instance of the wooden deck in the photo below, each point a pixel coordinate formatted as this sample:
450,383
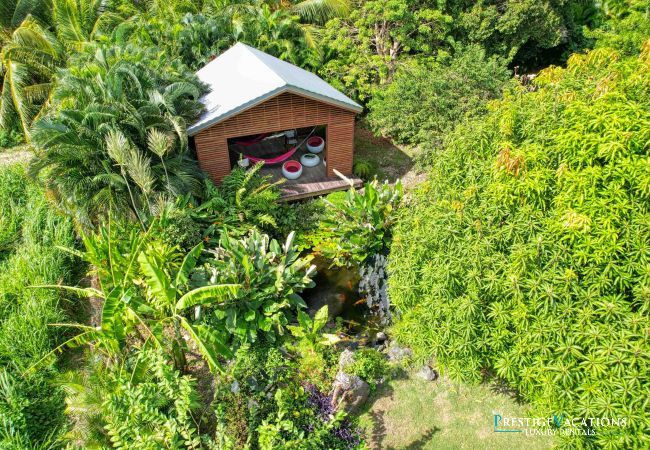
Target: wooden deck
312,182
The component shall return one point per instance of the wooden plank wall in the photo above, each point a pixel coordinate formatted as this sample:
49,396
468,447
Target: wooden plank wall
282,112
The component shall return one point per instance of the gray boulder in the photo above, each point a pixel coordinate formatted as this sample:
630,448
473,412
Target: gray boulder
427,373
349,392
397,354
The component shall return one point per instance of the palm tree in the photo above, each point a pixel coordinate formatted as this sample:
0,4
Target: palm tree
120,143
13,12
33,51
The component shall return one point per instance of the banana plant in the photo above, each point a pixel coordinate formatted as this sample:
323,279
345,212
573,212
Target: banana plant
145,295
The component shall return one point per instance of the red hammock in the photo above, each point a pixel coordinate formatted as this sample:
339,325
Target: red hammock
278,159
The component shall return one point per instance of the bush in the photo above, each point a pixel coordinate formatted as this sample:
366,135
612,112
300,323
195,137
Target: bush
10,138
246,200
426,100
356,225
370,365
526,252
264,403
151,403
272,278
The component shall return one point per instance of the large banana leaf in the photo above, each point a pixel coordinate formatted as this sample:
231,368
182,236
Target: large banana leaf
207,295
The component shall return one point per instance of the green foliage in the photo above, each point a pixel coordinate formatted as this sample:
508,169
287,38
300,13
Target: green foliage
177,225
370,365
626,26
31,55
288,427
146,294
526,252
143,403
522,31
246,200
363,168
271,278
243,200
118,144
10,138
151,406
364,49
31,410
427,100
358,225
266,405
310,329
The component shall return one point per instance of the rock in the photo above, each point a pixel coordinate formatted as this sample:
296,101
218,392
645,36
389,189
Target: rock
346,358
234,387
349,392
397,354
381,337
427,373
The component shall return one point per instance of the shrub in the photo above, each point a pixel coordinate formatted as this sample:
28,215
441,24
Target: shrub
362,168
426,100
271,277
265,404
246,200
370,365
151,403
526,252
357,225
10,138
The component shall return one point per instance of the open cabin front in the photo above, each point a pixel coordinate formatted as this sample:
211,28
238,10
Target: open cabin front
218,149
255,94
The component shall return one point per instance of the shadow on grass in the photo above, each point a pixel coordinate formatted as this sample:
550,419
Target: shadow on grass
377,432
388,161
500,386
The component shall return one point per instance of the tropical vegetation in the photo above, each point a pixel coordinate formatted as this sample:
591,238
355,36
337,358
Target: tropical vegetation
524,254
142,306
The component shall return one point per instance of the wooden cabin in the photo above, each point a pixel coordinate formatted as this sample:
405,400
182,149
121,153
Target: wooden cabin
262,107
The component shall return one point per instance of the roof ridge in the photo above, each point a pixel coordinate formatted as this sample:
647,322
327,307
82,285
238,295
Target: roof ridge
254,51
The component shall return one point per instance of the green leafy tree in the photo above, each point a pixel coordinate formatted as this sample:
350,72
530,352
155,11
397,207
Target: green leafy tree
427,100
525,255
41,44
364,49
626,26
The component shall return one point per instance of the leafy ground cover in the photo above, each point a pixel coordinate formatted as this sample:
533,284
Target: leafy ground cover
410,413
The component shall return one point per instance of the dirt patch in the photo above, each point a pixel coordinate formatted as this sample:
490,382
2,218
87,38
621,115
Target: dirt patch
389,161
9,157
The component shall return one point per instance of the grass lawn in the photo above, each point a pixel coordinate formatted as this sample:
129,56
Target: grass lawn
389,162
410,413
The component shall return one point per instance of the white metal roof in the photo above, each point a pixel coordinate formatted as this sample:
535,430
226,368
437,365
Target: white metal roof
242,77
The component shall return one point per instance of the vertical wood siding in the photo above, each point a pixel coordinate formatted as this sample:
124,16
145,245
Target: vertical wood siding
282,112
